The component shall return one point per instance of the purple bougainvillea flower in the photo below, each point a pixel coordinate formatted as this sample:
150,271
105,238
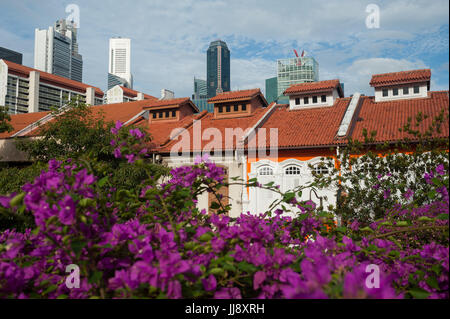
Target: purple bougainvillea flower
228,293
131,158
117,153
386,193
67,210
440,169
209,283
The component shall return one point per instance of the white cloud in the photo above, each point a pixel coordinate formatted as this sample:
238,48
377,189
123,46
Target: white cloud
170,38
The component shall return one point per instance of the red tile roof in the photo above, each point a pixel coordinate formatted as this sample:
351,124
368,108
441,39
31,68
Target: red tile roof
56,80
400,77
313,87
387,117
235,96
208,121
310,127
20,121
170,103
132,93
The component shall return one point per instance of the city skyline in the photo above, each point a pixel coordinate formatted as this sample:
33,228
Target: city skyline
169,54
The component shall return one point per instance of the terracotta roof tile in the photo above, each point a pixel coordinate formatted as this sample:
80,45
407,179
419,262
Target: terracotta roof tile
310,127
313,87
387,117
51,78
402,77
208,121
132,93
170,102
234,95
20,121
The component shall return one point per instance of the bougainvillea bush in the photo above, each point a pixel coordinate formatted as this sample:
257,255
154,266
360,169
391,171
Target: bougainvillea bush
155,243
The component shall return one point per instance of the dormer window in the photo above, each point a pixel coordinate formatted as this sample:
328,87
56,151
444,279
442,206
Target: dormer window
323,98
228,108
160,115
220,109
305,100
237,103
236,107
244,107
174,113
314,99
297,101
401,85
154,115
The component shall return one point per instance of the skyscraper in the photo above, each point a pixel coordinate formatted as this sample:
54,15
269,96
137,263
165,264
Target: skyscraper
217,68
296,70
10,55
56,50
119,70
200,91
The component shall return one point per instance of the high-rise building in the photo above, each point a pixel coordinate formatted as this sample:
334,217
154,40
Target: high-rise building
119,69
10,55
296,70
56,50
271,90
200,90
217,68
27,90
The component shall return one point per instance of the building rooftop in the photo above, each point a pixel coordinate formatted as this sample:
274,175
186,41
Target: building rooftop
402,77
24,71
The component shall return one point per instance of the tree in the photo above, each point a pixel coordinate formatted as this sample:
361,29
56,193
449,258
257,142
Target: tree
5,126
75,130
372,178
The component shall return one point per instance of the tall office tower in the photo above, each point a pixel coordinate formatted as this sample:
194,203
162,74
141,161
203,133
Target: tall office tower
119,70
217,68
56,50
200,91
296,70
10,55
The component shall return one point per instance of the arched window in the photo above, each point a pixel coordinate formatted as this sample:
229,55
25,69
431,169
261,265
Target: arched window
292,170
265,171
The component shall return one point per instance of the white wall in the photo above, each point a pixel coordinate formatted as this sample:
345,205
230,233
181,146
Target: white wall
3,81
260,199
331,97
423,92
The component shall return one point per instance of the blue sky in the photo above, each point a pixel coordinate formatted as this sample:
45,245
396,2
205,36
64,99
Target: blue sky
169,38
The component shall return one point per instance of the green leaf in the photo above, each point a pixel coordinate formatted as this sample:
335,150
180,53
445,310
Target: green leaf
419,293
432,282
17,200
205,237
217,271
215,205
402,223
95,277
245,266
102,181
442,216
424,219
77,246
50,289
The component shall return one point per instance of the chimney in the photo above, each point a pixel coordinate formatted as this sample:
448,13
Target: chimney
140,96
167,94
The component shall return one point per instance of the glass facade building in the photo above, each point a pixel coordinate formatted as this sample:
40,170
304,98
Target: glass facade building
271,89
202,104
200,90
217,68
296,70
10,55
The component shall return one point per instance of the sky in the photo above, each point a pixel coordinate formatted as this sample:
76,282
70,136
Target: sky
169,39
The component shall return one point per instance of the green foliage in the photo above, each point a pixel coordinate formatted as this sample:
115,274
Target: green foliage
5,126
375,177
75,131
